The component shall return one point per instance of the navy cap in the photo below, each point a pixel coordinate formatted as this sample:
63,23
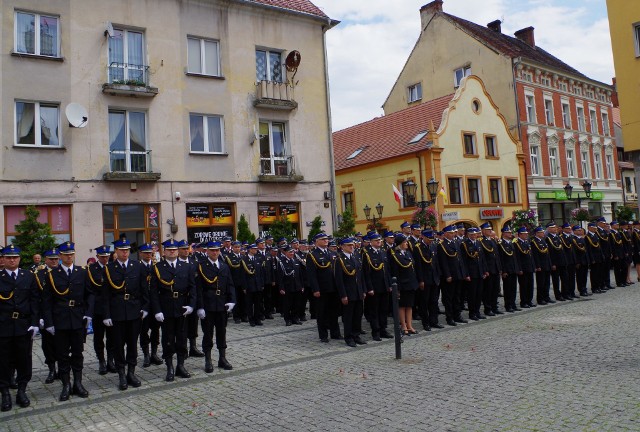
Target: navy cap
347,241
259,240
252,246
460,226
374,236
295,240
170,244
11,250
122,243
320,236
145,247
399,239
66,248
283,245
614,222
236,243
416,226
473,230
506,228
304,242
601,219
389,234
592,224
566,225
486,225
268,237
287,248
636,223
523,230
449,228
213,245
358,234
182,244
576,227
404,224
427,233
103,250
551,224
226,238
332,243
538,229
50,253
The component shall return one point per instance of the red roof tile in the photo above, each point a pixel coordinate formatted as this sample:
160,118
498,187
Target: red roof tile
304,6
616,116
387,136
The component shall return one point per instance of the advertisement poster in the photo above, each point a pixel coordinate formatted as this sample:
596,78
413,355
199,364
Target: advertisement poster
199,235
222,215
267,213
198,215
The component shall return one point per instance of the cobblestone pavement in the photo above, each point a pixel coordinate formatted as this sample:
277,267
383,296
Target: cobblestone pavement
570,366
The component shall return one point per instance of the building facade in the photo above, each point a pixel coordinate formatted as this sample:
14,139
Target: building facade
167,120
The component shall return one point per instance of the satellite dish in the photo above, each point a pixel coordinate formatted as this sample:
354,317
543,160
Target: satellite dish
77,115
293,61
109,29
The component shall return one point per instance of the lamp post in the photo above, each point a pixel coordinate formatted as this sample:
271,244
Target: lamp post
374,220
432,188
568,189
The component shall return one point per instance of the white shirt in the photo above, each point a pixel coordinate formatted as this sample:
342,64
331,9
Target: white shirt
215,263
173,263
66,269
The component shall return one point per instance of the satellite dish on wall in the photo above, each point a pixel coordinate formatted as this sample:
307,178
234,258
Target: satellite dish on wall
109,30
293,61
77,115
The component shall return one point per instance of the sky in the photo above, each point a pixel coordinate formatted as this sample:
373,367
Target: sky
368,49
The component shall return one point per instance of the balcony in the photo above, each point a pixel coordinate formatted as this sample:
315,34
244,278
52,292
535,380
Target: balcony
278,169
128,80
130,166
275,95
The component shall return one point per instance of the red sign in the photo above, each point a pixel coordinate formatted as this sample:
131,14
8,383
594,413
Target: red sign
491,213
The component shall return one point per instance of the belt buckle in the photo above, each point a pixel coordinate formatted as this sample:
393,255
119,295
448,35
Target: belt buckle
126,296
217,292
175,295
72,303
15,315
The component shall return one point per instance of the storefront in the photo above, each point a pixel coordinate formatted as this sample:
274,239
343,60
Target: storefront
268,213
58,217
206,222
139,223
554,205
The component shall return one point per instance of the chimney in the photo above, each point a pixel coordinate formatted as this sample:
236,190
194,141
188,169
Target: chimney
614,94
428,11
496,26
526,36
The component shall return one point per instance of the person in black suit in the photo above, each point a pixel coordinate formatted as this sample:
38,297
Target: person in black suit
48,346
125,293
291,284
402,267
321,280
596,255
94,273
491,284
149,323
452,273
527,267
569,287
510,268
215,297
350,286
19,308
192,319
472,254
540,252
558,259
252,284
581,259
428,272
67,300
377,279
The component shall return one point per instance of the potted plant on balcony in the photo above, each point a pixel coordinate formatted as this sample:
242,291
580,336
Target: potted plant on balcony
427,217
580,214
526,217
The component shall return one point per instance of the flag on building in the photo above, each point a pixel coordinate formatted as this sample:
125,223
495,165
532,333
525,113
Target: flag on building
443,194
396,193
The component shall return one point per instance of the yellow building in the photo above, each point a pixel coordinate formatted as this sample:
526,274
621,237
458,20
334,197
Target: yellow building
461,140
624,25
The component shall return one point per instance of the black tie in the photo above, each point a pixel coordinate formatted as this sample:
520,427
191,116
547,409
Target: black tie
15,275
69,272
124,267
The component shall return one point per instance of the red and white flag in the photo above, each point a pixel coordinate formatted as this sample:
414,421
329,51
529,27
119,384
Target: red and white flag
396,193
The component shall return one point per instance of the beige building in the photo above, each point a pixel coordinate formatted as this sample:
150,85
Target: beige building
187,115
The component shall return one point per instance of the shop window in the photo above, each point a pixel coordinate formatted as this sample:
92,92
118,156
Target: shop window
268,213
58,217
206,222
139,223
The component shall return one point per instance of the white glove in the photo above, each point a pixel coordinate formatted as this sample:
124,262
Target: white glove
41,323
108,322
144,314
51,330
201,313
159,317
230,306
35,331
187,310
89,319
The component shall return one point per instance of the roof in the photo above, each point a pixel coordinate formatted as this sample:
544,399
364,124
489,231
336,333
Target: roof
302,6
616,116
388,136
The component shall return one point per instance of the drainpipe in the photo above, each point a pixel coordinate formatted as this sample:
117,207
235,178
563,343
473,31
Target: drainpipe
332,183
515,62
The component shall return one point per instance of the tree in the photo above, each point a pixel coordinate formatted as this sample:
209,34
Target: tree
281,228
346,226
33,237
316,227
244,233
624,213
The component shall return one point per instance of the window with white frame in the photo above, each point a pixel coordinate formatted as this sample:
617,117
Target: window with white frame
530,106
127,58
37,34
589,94
571,167
553,161
636,35
597,164
545,81
609,161
548,111
566,115
128,141
37,124
203,56
415,92
584,164
593,119
459,74
580,115
535,160
577,90
269,66
606,130
275,158
527,76
562,86
206,133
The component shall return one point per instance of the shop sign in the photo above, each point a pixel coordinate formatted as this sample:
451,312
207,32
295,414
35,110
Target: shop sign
450,216
491,213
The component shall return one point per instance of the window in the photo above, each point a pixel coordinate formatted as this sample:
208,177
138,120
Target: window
584,164
562,86
473,187
356,153
577,91
347,202
636,34
548,111
490,146
530,107
407,201
469,144
535,160
37,34
494,190
271,212
594,121
566,115
455,192
459,74
609,162
128,141
274,156
207,133
545,81
269,66
580,114
553,162
597,163
126,58
58,217
45,131
627,185
571,169
527,76
418,137
589,94
605,124
203,56
415,92
139,223
512,190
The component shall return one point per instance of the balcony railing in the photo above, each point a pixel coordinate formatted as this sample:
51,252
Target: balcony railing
275,95
129,80
279,168
130,166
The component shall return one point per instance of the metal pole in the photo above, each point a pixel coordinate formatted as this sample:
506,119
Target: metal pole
396,318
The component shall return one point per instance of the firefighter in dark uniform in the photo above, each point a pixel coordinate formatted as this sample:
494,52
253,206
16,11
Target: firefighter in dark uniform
95,272
491,284
428,272
125,293
252,283
581,259
192,319
270,296
350,286
320,271
300,256
172,292
67,303
149,323
618,254
596,256
540,252
452,274
291,283
19,312
472,255
558,259
527,267
605,245
569,288
377,279
48,346
216,296
509,267
234,260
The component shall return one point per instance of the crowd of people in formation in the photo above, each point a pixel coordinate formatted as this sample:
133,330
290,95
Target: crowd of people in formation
160,302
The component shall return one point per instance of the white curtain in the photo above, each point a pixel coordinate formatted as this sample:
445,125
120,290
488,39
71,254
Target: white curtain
116,131
215,134
25,33
25,116
49,121
197,133
137,140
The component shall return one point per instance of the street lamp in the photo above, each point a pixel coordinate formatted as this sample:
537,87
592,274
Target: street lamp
374,220
432,187
568,189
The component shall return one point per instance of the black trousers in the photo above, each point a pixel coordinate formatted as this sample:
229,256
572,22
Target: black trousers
509,288
542,285
596,276
16,355
558,280
581,278
126,333
146,339
525,282
327,310
451,298
192,325
218,321
377,309
605,273
48,348
291,305
352,319
99,333
174,337
269,299
474,295
69,347
254,306
240,309
490,292
569,283
312,302
620,271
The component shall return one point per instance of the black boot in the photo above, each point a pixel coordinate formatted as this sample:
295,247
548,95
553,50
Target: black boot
111,366
154,356
102,365
6,399
180,369
21,397
194,351
170,372
132,378
13,384
52,374
222,361
78,389
122,379
146,362
66,386
208,365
